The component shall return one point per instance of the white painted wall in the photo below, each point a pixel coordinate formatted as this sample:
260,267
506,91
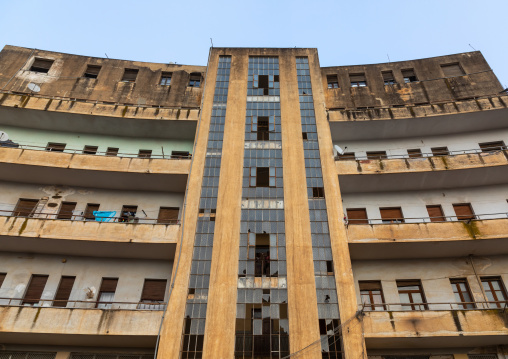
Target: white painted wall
435,275
487,201
89,271
109,200
399,146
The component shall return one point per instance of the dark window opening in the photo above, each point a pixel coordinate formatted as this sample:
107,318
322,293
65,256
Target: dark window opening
409,76
106,293
66,210
34,290
262,255
318,192
265,82
112,151
357,216
55,147
145,153
168,215
347,156
90,150
41,65
329,267
213,212
371,294
414,153
195,79
90,209
333,82
92,71
165,79
462,293
130,75
128,214
25,207
388,78
180,154
464,211
304,136
262,177
64,291
492,146
262,132
411,295
452,70
436,213
392,215
2,278
358,80
376,155
440,151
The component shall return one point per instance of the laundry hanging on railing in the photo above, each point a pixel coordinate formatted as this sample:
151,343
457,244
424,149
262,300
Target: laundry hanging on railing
104,216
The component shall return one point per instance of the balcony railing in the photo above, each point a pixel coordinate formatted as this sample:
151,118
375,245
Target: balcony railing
11,144
408,220
81,304
435,306
84,217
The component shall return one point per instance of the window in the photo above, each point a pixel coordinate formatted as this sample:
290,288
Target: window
55,147
392,215
371,294
388,78
128,214
415,152
262,255
66,210
358,80
195,79
41,65
112,151
495,291
411,295
265,82
304,136
168,215
145,153
462,293
165,79
464,211
180,154
130,75
440,151
106,293
89,210
333,82
2,278
357,216
492,146
347,156
409,76
262,177
90,150
34,290
64,291
263,125
452,70
318,192
376,155
154,291
25,207
92,71
436,213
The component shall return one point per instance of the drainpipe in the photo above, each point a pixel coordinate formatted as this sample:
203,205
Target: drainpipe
478,278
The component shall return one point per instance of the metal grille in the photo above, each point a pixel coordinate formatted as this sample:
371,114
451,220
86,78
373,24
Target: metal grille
26,355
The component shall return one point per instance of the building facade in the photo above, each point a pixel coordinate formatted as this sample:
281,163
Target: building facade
261,206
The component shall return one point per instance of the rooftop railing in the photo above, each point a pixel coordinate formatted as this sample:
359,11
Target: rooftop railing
434,306
408,220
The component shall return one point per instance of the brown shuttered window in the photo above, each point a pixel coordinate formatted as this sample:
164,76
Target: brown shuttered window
108,284
492,146
440,151
128,214
112,151
106,293
90,150
388,78
357,216
41,65
464,211
358,80
64,291
55,147
145,153
130,75
168,215
436,213
35,288
392,215
415,152
376,155
90,208
2,278
92,71
452,70
25,207
154,290
180,154
66,210
409,75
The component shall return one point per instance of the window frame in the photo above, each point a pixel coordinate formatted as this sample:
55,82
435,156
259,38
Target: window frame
409,77
165,79
371,305
463,302
94,74
410,292
130,75
502,289
332,81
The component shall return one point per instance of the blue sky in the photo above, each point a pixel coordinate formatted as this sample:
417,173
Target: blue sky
345,32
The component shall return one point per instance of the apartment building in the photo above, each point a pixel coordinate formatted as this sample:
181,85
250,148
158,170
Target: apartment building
261,206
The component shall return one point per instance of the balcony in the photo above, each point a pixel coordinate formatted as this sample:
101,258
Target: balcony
80,323
121,238
429,239
84,170
442,325
466,168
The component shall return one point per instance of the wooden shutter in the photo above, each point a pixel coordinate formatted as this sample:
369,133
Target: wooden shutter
391,214
440,151
463,211
64,291
41,65
179,154
154,289
2,278
492,146
415,152
35,288
130,75
108,284
92,71
357,77
145,153
25,207
168,215
56,147
112,151
370,285
452,70
376,155
90,208
357,216
66,210
435,213
388,76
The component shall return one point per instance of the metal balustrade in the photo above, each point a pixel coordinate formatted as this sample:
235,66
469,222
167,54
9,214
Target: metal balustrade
81,304
434,306
409,220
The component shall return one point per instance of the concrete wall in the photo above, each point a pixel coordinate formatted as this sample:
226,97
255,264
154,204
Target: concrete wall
109,200
75,141
89,272
484,200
